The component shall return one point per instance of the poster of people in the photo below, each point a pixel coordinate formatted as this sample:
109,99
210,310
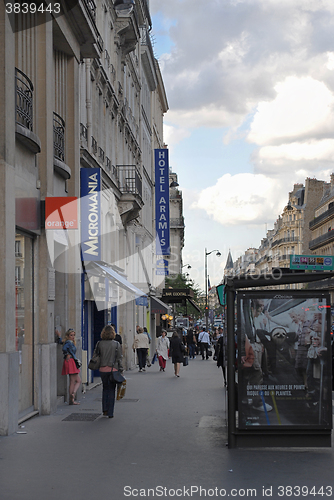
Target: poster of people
284,359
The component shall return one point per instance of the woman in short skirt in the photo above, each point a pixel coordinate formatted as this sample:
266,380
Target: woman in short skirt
69,367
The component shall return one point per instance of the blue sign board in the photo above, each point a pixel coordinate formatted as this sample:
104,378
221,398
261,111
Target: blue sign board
90,191
162,224
162,267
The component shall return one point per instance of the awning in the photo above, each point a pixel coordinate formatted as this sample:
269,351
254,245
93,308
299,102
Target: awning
101,269
158,307
194,304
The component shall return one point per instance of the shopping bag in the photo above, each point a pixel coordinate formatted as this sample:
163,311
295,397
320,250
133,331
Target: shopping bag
154,359
121,389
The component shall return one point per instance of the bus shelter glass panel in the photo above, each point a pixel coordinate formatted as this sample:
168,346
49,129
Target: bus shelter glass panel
284,360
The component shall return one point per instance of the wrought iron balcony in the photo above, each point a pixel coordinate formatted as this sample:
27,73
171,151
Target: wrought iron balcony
130,179
58,137
83,132
177,223
91,6
101,155
24,100
329,214
290,239
94,145
321,240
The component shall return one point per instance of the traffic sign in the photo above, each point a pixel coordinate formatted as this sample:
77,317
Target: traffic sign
312,262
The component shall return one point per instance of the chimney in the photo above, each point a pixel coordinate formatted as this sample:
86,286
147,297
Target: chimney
332,180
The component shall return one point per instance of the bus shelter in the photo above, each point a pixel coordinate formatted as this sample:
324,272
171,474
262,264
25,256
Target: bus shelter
279,361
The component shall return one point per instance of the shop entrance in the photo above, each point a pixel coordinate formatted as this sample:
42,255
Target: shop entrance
24,326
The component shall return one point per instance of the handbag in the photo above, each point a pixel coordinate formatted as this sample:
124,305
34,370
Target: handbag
185,360
77,363
117,377
209,352
121,390
95,362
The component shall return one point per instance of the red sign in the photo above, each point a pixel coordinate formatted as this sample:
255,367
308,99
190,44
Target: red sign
61,213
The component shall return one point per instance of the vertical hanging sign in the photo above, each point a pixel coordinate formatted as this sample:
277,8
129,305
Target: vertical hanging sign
162,223
90,191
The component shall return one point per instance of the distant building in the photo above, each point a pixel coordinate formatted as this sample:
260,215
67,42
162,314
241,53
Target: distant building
177,226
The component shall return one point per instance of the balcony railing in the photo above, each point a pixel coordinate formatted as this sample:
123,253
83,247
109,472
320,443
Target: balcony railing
58,137
177,222
130,180
329,213
321,240
91,5
101,155
94,145
83,131
291,239
24,100
107,58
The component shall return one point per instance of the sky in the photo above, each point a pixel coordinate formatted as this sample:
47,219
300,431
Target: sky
250,88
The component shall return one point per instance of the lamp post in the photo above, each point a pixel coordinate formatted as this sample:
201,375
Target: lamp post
206,286
188,266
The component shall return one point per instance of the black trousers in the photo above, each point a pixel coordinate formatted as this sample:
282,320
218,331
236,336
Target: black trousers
204,349
142,353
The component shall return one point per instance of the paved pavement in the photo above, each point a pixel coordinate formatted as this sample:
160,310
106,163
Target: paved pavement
168,439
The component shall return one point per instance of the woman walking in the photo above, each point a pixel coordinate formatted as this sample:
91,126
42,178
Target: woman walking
110,352
177,352
69,366
162,350
141,344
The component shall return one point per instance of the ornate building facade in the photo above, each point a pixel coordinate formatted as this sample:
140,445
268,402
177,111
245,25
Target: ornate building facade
82,92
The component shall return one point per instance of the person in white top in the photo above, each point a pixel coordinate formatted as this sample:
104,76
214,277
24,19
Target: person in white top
204,339
162,350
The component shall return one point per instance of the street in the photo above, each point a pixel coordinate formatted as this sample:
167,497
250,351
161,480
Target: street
168,438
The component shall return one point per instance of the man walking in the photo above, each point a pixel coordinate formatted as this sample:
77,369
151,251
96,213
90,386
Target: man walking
204,340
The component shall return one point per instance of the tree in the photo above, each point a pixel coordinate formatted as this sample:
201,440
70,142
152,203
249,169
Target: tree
182,281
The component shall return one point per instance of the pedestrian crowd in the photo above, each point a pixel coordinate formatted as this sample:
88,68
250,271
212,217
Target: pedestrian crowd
182,346
107,357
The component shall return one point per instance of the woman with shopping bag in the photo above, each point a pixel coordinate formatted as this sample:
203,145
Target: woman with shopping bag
110,353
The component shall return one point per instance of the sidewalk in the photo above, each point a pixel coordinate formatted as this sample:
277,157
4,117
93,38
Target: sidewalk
167,432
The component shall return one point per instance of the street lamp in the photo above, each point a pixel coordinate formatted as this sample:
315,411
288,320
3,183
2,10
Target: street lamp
188,266
206,286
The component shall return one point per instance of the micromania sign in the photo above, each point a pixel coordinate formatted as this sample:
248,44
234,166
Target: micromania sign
162,202
90,191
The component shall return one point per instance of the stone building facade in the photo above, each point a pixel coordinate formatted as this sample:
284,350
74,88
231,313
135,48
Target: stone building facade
82,91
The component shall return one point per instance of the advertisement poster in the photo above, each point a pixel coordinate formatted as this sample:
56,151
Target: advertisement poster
284,359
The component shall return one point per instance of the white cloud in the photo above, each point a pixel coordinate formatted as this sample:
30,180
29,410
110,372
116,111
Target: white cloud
242,198
303,107
230,55
298,151
174,135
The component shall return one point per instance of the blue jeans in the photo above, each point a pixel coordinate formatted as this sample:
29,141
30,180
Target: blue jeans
191,350
108,394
